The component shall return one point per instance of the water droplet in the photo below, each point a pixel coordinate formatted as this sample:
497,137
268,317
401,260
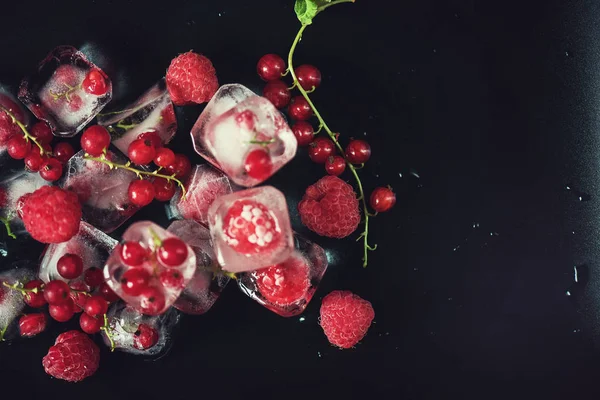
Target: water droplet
576,330
450,299
400,174
435,50
581,196
387,334
365,133
581,276
494,234
302,319
319,354
413,172
475,225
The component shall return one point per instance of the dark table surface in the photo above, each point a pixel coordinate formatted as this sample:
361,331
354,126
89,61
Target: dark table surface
480,115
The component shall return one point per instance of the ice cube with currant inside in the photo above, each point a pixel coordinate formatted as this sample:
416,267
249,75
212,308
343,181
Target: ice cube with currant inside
67,91
102,191
203,186
152,112
286,288
137,333
251,229
149,268
8,127
90,245
208,281
11,300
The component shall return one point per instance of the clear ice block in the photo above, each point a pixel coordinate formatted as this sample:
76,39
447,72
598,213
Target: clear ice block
287,288
237,122
91,244
102,191
55,94
11,301
203,186
152,112
251,229
14,185
124,322
208,282
159,296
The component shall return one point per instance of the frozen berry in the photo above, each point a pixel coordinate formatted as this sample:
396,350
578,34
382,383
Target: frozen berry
308,76
107,293
18,147
163,189
95,82
133,254
69,266
93,277
34,299
42,132
258,164
250,228
73,357
141,151
134,281
63,151
95,140
153,137
164,157
299,109
284,283
345,318
358,151
51,169
152,301
382,199
95,306
75,102
270,67
141,192
278,93
173,252
57,292
145,337
321,149
32,324
34,160
181,167
90,324
335,165
191,78
171,278
304,133
62,312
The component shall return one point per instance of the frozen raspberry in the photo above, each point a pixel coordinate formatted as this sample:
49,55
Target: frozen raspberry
250,228
32,324
330,208
191,78
284,283
145,337
73,357
345,318
51,214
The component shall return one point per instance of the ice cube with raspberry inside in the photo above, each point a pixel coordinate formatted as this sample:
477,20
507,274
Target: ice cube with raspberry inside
67,91
208,281
8,127
11,300
152,112
102,191
14,184
135,333
251,229
287,288
150,267
204,185
69,261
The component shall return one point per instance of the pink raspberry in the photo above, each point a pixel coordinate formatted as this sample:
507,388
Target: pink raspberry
330,208
73,357
191,78
250,228
51,214
345,318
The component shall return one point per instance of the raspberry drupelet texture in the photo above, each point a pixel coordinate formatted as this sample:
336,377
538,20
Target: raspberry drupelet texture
73,357
345,318
330,208
191,78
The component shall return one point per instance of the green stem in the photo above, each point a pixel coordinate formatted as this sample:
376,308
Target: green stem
18,286
108,334
6,223
333,3
24,129
2,332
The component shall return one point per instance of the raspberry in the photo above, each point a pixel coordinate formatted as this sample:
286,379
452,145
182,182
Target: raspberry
191,78
283,283
73,357
330,208
345,318
250,228
51,214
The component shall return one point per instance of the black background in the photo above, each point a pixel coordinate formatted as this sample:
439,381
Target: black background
479,114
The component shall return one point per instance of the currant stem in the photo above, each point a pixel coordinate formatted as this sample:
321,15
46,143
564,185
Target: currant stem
138,172
106,330
2,332
333,3
19,287
6,223
323,125
24,129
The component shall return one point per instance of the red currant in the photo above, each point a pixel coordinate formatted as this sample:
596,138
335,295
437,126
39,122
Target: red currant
95,83
63,151
62,312
34,160
95,306
145,337
335,165
35,300
69,266
57,292
42,132
270,67
51,170
171,278
308,76
277,93
133,254
32,324
75,102
382,199
141,151
321,149
95,140
93,277
107,293
163,189
258,164
134,281
141,192
153,137
173,252
164,157
358,151
18,147
152,300
79,299
299,109
304,133
90,324
181,167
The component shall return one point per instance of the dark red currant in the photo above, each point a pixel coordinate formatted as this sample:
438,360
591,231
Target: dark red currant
270,67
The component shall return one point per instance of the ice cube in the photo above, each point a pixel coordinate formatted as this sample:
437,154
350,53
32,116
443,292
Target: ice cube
251,229
287,288
11,301
208,282
203,186
236,124
12,186
152,112
102,191
7,126
56,92
161,283
124,322
91,244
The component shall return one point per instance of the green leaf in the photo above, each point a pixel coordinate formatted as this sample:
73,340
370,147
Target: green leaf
306,11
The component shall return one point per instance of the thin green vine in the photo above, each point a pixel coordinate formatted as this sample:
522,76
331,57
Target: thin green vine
6,223
108,333
26,133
